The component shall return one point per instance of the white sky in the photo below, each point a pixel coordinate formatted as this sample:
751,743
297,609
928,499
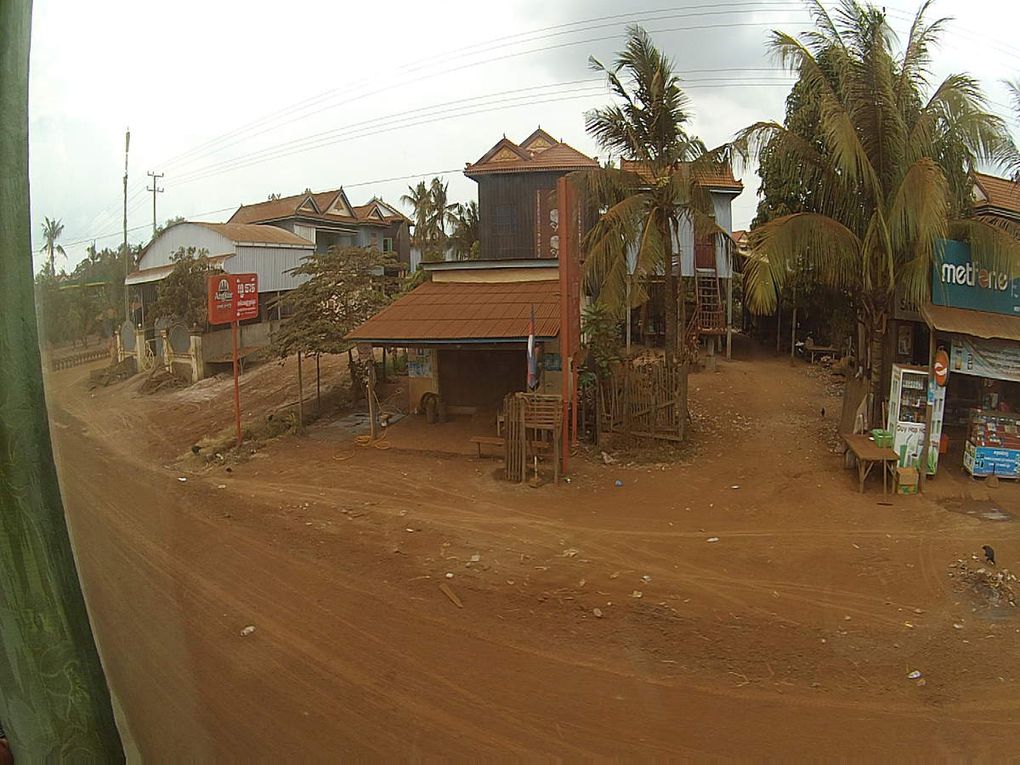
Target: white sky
399,89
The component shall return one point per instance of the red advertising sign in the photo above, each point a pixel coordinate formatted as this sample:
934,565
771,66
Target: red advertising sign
233,297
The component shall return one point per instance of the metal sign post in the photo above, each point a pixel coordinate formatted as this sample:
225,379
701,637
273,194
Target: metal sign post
232,298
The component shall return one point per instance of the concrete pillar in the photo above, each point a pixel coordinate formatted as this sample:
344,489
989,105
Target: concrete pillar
139,348
168,352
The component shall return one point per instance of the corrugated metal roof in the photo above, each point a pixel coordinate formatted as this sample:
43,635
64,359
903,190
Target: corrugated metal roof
253,233
962,321
466,311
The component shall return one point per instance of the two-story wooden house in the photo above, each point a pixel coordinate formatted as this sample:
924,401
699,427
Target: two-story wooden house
328,219
516,195
467,328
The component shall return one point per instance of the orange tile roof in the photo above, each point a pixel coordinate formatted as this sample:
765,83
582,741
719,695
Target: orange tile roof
446,312
539,152
1000,193
289,207
721,179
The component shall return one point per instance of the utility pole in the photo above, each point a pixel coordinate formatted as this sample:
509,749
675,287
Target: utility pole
155,190
127,255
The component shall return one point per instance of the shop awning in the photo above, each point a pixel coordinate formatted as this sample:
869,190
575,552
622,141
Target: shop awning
466,312
962,321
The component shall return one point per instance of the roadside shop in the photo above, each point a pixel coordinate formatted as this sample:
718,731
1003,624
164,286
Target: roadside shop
975,312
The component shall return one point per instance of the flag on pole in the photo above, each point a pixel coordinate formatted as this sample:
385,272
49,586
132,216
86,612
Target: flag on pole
532,358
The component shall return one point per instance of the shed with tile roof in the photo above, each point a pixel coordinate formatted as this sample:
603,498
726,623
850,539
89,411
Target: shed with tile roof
467,331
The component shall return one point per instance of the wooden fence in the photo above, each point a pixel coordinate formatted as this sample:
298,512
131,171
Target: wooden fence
646,400
531,419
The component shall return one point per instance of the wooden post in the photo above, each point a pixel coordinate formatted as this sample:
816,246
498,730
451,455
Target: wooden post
793,333
384,364
237,384
301,395
628,314
779,326
55,704
318,388
729,314
928,409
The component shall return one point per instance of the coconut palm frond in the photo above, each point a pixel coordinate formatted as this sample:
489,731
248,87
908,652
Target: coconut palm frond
916,63
994,238
919,210
608,244
803,240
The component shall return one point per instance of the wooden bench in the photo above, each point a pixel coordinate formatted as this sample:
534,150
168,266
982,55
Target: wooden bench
813,350
869,454
497,441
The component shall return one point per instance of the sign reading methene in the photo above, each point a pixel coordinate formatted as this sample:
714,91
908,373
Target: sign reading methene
959,282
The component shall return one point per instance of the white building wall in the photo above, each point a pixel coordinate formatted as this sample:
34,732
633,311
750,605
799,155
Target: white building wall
271,264
308,232
184,235
683,245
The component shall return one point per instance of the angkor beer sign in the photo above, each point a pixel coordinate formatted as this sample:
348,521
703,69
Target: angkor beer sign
233,297
960,282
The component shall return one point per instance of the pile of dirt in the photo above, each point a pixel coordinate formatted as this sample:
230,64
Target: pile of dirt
162,379
994,588
100,378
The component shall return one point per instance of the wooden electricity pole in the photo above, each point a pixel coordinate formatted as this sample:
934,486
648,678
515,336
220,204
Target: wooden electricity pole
54,702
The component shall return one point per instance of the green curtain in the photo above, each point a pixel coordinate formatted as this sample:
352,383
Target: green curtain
54,703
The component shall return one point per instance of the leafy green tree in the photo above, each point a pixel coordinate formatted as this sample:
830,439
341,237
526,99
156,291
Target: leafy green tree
345,287
645,209
183,293
600,328
884,175
168,223
52,229
464,220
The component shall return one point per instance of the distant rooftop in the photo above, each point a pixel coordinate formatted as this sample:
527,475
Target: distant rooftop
993,194
539,152
332,206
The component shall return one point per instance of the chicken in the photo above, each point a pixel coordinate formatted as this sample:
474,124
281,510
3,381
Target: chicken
989,554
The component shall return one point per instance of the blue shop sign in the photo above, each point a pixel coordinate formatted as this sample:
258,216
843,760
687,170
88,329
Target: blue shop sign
957,281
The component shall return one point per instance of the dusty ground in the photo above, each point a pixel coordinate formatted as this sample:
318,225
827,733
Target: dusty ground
793,633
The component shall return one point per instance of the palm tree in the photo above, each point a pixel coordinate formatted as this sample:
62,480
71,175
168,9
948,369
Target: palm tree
464,220
52,229
644,210
420,201
442,213
887,169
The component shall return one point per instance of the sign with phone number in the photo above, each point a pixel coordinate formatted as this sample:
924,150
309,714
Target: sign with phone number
233,297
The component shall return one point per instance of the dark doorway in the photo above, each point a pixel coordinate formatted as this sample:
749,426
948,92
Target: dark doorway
481,378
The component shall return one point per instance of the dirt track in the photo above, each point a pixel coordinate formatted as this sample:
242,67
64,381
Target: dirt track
787,636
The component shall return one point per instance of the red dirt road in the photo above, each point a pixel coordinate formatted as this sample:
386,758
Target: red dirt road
786,637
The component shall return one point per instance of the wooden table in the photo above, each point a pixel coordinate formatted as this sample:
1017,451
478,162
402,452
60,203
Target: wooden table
868,454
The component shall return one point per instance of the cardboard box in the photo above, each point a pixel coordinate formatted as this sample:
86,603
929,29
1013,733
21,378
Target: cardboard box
906,480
